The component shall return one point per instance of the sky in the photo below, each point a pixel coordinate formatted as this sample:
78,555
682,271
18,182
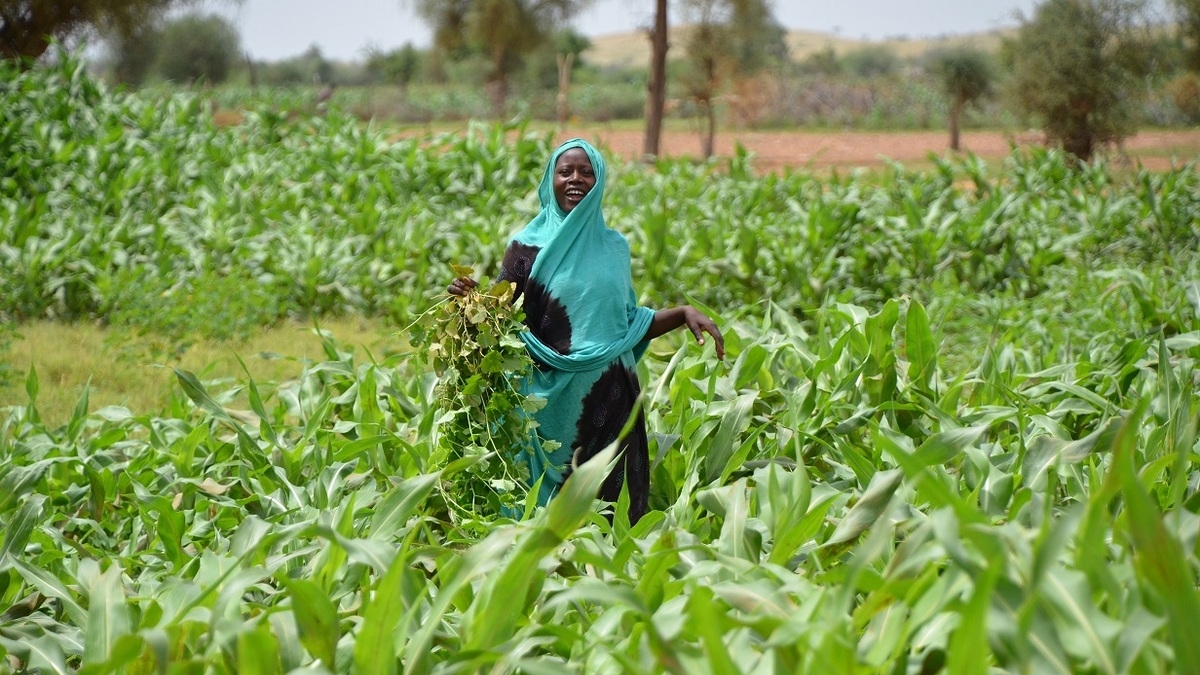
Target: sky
343,29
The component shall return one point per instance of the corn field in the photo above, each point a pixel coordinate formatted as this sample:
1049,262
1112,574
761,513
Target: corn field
956,431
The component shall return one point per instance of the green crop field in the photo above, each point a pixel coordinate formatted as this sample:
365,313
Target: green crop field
956,431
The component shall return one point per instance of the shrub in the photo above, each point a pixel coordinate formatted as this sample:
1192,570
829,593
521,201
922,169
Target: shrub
1185,93
199,47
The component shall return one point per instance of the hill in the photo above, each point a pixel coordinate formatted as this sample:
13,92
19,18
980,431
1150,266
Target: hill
632,50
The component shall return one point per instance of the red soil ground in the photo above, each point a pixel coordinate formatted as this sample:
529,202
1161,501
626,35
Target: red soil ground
814,150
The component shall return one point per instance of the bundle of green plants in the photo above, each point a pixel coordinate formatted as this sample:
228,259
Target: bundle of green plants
484,420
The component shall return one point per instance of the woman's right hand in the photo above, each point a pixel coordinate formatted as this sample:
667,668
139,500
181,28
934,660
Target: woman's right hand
461,285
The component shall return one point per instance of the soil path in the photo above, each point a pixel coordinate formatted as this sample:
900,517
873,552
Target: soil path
814,150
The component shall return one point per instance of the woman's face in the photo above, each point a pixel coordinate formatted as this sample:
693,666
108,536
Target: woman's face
573,178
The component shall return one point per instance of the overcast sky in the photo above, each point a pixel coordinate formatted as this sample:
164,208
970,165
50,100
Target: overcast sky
275,29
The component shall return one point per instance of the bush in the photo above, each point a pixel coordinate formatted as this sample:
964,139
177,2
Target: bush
1185,92
169,315
872,61
1077,69
199,47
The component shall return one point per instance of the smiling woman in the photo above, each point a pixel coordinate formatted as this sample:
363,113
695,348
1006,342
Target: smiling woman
586,331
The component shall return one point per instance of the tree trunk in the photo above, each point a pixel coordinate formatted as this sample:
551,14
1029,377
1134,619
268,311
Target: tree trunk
23,43
656,97
1080,143
498,92
710,113
252,70
498,86
27,36
564,84
955,115
710,134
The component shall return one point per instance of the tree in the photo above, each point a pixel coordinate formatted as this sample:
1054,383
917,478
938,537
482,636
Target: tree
399,66
502,30
199,47
966,76
27,27
729,40
709,50
756,38
1077,67
1187,17
132,56
656,86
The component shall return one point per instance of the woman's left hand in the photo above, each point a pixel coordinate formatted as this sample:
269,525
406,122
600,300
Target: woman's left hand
699,324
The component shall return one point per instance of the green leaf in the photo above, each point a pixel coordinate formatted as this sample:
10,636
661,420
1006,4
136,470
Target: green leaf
399,505
504,597
1160,556
258,652
733,424
316,618
920,347
49,585
708,620
969,652
47,656
375,646
944,446
870,506
31,384
108,618
18,482
17,530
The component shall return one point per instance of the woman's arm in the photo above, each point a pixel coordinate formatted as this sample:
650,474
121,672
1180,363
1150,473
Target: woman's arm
667,320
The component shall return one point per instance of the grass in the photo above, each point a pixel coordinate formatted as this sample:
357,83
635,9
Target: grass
118,370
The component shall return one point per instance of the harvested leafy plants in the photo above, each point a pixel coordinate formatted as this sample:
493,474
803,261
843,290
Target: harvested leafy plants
956,430
485,418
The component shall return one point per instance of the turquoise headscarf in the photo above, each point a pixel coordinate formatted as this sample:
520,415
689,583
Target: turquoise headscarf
584,266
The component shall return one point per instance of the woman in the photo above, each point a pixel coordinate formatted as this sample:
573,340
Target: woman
586,331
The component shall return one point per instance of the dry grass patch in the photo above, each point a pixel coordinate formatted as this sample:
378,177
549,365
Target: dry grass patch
116,371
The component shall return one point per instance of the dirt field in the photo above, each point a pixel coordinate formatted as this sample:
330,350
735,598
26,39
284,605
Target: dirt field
774,150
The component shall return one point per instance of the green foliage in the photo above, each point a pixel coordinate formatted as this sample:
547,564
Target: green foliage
166,316
1187,17
821,62
869,508
542,64
966,74
400,66
707,50
956,430
131,57
306,69
501,31
484,419
199,47
1185,94
1077,67
28,27
8,332
872,61
102,189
